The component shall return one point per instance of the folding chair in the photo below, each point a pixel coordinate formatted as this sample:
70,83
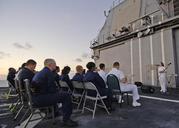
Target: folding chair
64,86
22,97
14,106
78,92
10,91
91,87
114,85
33,108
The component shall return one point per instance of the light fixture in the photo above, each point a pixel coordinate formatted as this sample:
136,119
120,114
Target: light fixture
124,29
146,21
139,34
94,43
95,57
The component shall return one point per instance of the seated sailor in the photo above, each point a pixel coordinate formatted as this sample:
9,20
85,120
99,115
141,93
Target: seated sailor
125,86
65,77
92,76
47,92
79,76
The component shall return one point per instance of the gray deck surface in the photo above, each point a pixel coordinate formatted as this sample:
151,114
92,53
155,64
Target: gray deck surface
152,114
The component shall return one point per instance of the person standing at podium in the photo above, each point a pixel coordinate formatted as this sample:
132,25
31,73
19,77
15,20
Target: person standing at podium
162,77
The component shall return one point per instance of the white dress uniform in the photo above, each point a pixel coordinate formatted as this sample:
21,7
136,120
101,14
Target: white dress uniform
125,86
102,73
162,78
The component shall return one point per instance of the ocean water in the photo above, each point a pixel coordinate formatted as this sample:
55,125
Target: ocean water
3,83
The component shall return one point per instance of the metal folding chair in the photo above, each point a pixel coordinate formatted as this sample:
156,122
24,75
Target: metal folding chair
22,96
10,91
91,87
33,108
14,106
78,92
114,85
64,86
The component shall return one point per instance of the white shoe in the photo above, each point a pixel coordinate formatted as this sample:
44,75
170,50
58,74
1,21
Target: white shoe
136,104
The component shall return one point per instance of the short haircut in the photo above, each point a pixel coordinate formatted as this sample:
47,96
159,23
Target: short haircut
49,61
116,64
31,62
90,65
101,66
57,68
66,70
23,65
78,68
12,70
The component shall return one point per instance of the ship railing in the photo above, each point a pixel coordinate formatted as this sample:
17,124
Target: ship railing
156,17
146,21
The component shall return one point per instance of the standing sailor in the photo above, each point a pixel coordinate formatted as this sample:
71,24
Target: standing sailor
162,77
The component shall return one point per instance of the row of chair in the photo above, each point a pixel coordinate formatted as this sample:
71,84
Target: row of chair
112,83
80,92
24,102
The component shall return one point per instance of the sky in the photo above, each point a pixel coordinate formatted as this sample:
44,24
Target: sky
39,29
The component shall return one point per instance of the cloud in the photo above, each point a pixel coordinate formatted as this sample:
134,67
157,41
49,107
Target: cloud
85,55
78,60
26,46
3,54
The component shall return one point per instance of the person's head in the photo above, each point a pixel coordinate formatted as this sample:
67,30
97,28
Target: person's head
66,70
31,64
116,65
57,70
12,70
79,69
23,65
91,66
102,66
162,64
50,63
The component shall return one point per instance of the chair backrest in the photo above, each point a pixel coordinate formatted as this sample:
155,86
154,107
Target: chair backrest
10,84
113,82
21,91
28,91
16,84
78,85
63,84
90,86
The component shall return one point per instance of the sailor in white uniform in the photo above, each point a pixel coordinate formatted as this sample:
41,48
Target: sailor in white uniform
124,85
162,77
102,72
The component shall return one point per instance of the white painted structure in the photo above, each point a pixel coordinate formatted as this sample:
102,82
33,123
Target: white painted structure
144,46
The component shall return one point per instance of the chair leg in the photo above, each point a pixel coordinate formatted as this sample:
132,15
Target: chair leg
53,115
94,108
105,107
127,99
28,120
121,100
8,94
80,103
84,105
24,116
18,112
13,106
